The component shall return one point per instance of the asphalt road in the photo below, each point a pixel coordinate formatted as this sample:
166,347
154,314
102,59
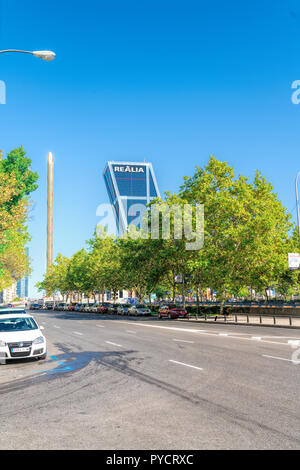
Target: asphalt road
121,383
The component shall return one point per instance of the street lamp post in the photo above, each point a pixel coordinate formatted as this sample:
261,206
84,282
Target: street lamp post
297,203
45,55
48,56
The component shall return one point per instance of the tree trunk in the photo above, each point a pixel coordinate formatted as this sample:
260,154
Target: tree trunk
197,293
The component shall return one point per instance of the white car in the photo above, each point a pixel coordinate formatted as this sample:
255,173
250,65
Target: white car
21,337
139,309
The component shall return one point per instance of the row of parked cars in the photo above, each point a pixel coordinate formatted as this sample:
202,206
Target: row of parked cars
170,311
106,307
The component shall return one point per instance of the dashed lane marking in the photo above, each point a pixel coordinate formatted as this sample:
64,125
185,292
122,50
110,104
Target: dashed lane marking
186,365
114,344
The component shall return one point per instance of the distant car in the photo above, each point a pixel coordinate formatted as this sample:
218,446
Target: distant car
59,306
72,306
83,307
123,309
78,308
9,305
112,309
49,305
21,337
94,307
103,308
88,307
139,309
66,308
35,306
172,311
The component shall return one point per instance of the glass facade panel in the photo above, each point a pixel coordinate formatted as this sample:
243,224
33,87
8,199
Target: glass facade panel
130,187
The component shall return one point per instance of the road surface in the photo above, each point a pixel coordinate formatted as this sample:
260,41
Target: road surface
114,382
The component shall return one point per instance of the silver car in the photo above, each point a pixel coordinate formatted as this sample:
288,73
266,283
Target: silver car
123,309
139,309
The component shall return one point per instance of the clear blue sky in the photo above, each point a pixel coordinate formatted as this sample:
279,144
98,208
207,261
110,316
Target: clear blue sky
167,81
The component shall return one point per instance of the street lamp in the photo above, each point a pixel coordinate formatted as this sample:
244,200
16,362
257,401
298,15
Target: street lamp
297,203
45,55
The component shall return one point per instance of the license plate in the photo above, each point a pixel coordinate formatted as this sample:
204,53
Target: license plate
20,349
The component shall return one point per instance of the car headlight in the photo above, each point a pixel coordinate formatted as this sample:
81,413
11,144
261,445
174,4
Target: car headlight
2,343
39,340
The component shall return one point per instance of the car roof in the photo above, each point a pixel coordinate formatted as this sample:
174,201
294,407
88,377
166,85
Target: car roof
3,311
15,315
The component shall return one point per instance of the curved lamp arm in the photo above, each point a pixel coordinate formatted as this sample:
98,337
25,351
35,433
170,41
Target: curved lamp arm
45,55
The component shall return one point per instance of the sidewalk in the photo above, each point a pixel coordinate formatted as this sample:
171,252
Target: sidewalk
284,321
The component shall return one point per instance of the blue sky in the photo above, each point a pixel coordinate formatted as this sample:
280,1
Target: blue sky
167,81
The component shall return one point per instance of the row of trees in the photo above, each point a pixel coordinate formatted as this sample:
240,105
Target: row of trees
247,237
17,181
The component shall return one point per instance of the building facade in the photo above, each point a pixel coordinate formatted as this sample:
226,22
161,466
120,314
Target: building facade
130,186
8,294
22,288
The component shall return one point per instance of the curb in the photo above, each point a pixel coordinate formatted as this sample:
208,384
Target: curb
238,323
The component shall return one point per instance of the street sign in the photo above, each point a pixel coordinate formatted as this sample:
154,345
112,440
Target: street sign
294,260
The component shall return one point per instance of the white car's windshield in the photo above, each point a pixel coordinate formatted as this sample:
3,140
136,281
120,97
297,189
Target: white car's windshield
17,324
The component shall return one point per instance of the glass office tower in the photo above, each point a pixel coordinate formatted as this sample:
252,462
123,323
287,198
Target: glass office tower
130,186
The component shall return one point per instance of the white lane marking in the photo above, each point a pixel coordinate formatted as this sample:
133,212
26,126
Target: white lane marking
282,359
130,331
282,337
77,333
257,338
223,334
100,326
294,343
55,326
114,344
203,332
187,365
183,341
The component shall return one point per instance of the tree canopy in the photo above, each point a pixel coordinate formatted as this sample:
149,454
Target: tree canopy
17,181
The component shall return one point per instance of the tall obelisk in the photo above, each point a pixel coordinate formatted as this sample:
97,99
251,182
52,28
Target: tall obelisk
50,212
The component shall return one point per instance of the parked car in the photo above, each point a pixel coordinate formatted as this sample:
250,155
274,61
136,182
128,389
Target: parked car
172,311
103,308
49,305
112,309
21,337
94,308
59,306
139,309
123,309
35,306
78,308
83,307
87,307
72,307
66,307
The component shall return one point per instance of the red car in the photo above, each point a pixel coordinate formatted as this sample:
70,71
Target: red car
172,311
72,306
103,308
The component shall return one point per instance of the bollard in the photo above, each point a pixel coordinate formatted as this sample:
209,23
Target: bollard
235,318
247,318
290,320
274,320
260,319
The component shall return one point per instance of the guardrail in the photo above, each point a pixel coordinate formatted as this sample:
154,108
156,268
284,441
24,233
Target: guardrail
249,319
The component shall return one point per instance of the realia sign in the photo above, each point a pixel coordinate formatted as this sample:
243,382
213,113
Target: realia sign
128,169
